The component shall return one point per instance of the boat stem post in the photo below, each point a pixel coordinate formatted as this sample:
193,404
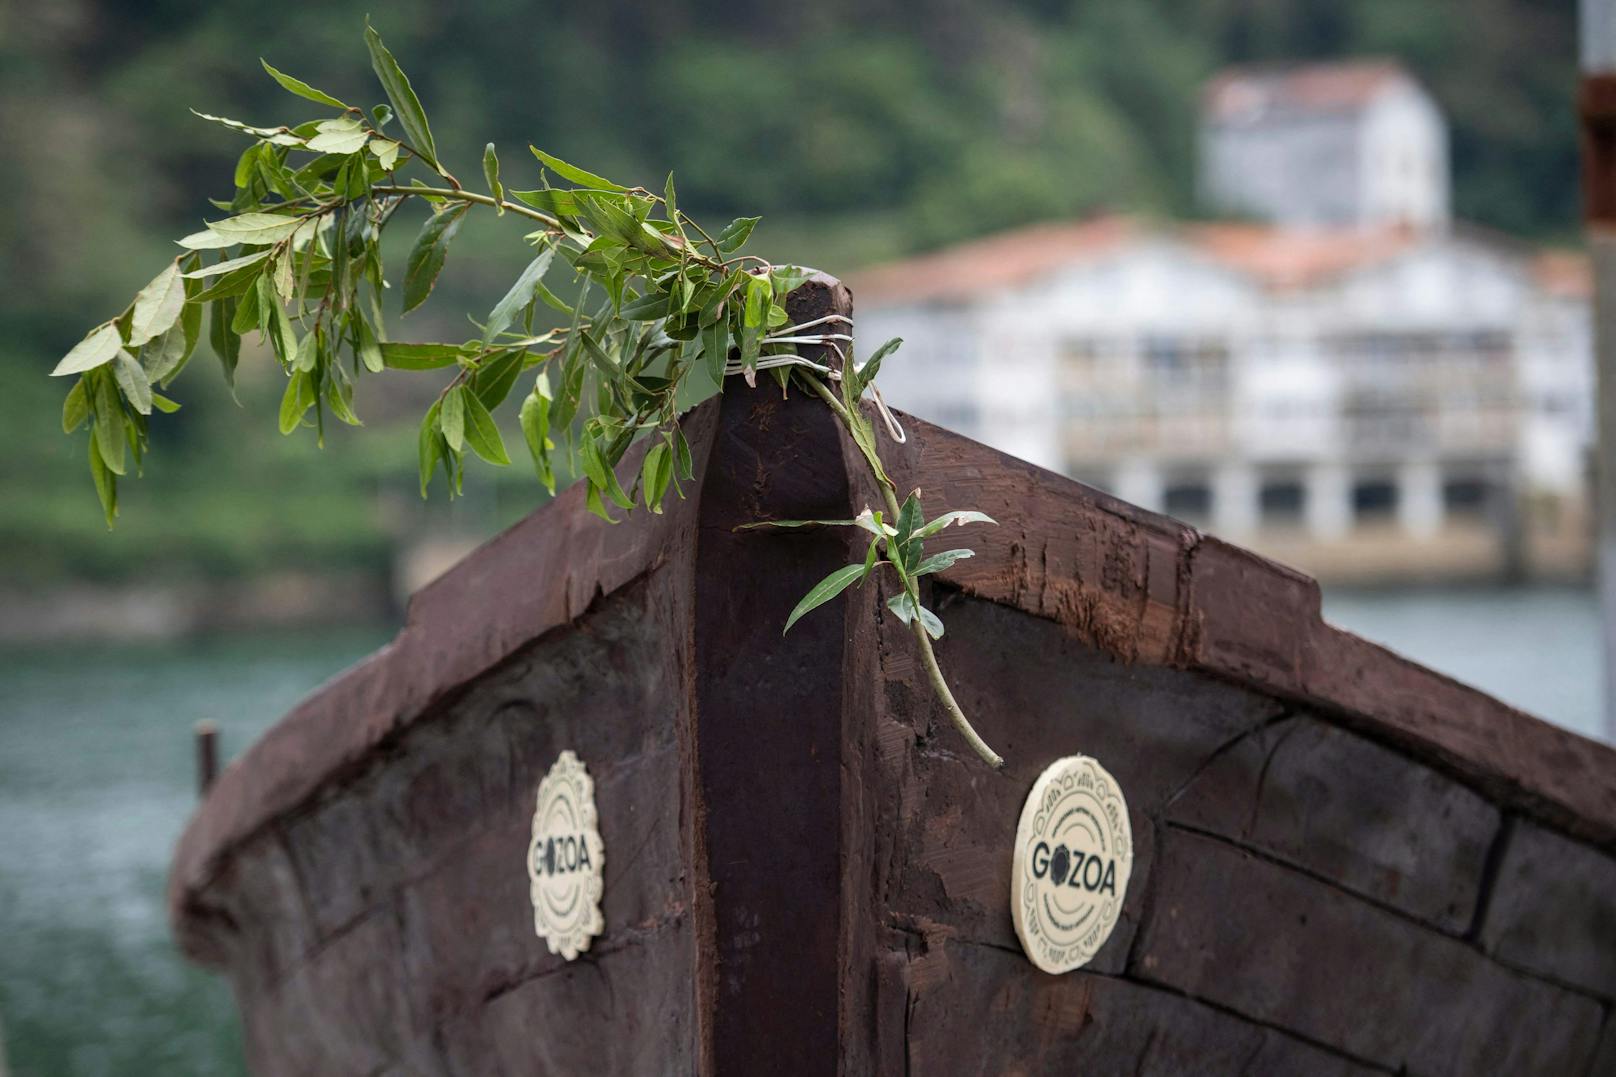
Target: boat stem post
207,754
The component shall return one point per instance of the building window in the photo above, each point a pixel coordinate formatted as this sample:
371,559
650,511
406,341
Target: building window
1188,500
1467,497
1282,502
1374,500
1192,367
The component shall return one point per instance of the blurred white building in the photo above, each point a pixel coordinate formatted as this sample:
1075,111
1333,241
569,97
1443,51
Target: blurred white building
1359,389
1351,145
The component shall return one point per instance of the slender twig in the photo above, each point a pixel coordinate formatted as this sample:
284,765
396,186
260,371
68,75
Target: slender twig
928,656
470,196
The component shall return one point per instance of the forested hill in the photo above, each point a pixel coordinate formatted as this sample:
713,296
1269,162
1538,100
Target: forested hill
860,129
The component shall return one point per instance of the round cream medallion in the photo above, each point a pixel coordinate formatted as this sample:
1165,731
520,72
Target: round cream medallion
1069,872
565,858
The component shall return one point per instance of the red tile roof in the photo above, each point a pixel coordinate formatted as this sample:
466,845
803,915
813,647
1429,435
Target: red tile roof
1272,257
1238,91
1001,260
1291,257
1278,258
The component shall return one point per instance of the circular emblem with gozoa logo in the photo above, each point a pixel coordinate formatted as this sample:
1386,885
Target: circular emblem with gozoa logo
565,859
1073,855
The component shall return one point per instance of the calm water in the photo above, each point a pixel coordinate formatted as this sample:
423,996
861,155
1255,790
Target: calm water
96,782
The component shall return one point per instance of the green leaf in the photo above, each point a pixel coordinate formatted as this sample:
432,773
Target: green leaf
909,517
595,505
301,88
670,203
429,447
157,306
960,518
397,86
823,591
937,562
307,356
736,233
226,343
871,559
164,404
520,295
296,401
339,395
452,417
906,609
133,381
686,468
370,349
715,349
481,432
574,173
788,279
340,136
109,422
386,151
754,315
491,174
76,408
106,483
252,229
427,256
282,335
279,136
651,307
867,372
656,470
163,357
247,314
230,266
498,373
872,522
535,420
603,362
98,347
401,356
555,202
601,473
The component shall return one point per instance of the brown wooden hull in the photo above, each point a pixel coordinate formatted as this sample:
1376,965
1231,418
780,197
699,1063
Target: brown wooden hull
1345,863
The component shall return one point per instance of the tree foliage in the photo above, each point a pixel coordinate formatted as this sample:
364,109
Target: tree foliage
655,303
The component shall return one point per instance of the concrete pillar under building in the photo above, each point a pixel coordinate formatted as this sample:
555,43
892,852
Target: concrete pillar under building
1234,499
1141,482
1329,501
1419,498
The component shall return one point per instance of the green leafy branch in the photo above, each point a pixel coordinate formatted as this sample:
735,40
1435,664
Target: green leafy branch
656,304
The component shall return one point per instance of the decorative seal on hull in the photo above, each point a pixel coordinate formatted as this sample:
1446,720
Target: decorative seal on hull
565,859
1073,855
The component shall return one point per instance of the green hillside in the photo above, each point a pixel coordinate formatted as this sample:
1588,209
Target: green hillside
861,130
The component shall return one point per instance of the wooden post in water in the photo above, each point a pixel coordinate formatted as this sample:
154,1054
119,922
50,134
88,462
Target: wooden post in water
1596,102
207,754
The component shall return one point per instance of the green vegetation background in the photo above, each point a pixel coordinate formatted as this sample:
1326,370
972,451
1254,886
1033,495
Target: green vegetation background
860,129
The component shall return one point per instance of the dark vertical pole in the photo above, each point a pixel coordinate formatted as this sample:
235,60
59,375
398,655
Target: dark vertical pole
1597,105
207,754
769,738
